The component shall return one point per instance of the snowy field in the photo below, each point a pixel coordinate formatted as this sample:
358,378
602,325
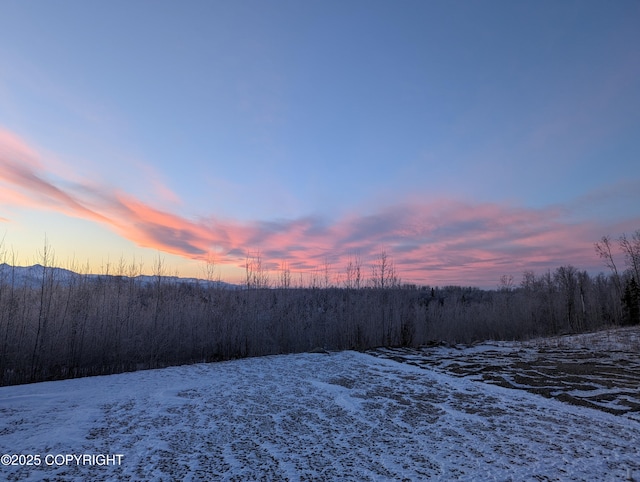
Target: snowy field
338,416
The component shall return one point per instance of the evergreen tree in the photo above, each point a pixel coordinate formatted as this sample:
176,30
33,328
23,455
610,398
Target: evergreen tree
631,302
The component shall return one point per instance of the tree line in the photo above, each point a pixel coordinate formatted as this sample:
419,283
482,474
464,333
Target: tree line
87,325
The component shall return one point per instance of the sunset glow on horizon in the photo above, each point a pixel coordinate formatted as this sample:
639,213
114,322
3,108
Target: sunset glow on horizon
468,141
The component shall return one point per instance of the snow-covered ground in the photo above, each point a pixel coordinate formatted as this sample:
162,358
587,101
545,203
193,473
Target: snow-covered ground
338,416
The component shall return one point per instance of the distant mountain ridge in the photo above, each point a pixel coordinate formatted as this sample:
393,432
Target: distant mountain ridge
32,276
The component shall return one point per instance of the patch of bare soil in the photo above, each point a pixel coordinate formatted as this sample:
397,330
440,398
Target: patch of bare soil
600,376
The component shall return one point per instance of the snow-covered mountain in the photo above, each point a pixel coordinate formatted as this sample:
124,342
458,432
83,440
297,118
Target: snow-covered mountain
32,276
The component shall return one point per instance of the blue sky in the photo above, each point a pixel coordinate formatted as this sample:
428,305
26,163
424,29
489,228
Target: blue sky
467,139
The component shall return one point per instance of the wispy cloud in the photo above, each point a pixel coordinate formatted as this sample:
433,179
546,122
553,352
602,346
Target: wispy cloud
440,242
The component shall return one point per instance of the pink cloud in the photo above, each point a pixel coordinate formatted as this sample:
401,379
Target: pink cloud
442,241
14,147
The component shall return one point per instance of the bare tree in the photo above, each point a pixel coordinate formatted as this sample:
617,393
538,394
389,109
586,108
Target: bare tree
326,273
46,258
285,275
631,250
353,274
248,270
528,280
506,283
257,276
603,249
6,317
567,281
159,273
383,272
314,279
211,269
350,275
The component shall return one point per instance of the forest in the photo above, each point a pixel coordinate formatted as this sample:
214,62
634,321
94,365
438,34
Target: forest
85,325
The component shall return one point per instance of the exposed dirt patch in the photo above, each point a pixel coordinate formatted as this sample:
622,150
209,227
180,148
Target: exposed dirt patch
600,377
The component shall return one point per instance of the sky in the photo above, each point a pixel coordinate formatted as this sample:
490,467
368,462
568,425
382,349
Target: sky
466,140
